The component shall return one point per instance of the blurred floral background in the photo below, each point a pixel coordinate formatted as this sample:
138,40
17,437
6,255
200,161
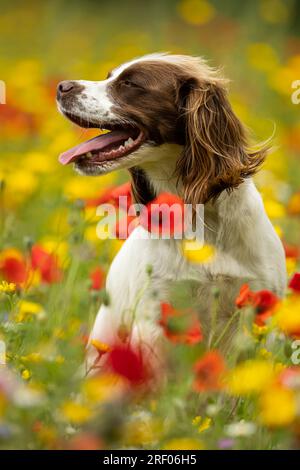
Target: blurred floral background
53,266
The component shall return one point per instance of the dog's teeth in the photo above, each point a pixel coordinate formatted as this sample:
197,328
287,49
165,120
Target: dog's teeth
89,155
128,142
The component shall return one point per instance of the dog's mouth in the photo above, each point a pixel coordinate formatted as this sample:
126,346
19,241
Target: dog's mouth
119,141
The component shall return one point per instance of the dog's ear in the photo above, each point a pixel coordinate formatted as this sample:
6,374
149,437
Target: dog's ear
215,155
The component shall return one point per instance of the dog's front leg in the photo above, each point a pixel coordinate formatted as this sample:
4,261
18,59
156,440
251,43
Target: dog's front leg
137,281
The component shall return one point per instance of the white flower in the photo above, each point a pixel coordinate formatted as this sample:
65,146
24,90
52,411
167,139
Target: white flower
212,410
240,429
26,397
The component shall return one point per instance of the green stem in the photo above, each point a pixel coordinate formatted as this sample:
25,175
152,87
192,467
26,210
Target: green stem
228,324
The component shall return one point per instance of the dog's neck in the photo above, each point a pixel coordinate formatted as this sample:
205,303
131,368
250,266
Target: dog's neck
157,173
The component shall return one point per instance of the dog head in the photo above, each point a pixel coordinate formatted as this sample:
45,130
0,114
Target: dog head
154,101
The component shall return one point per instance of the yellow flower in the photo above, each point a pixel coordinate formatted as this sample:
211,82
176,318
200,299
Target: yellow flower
81,187
183,443
32,357
279,367
26,374
7,287
281,80
291,265
39,162
251,376
262,56
288,315
278,230
264,353
202,423
114,247
101,347
60,141
91,234
90,215
196,420
27,309
76,412
196,252
274,209
277,407
141,431
101,388
196,11
259,330
20,184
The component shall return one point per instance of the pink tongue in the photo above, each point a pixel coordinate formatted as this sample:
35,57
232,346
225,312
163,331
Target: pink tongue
97,143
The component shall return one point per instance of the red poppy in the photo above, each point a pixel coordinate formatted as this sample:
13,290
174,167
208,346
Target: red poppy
14,269
294,283
124,191
125,226
291,251
85,441
164,215
290,377
180,327
112,195
46,263
245,297
128,363
208,372
263,301
121,198
97,277
12,118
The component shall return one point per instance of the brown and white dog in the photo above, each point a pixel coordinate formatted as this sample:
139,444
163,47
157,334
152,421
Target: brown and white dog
173,128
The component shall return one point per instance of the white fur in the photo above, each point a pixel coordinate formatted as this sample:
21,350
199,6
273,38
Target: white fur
247,246
247,250
93,102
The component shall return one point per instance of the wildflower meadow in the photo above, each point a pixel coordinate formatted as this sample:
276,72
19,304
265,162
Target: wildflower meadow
53,261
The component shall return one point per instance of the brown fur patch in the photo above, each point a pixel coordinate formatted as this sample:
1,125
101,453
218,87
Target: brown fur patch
184,101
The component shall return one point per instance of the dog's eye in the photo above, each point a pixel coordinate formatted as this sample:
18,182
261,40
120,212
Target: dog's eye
130,84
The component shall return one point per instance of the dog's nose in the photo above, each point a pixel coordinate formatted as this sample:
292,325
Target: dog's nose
65,87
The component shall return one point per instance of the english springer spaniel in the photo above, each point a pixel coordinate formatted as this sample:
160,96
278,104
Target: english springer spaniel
172,126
